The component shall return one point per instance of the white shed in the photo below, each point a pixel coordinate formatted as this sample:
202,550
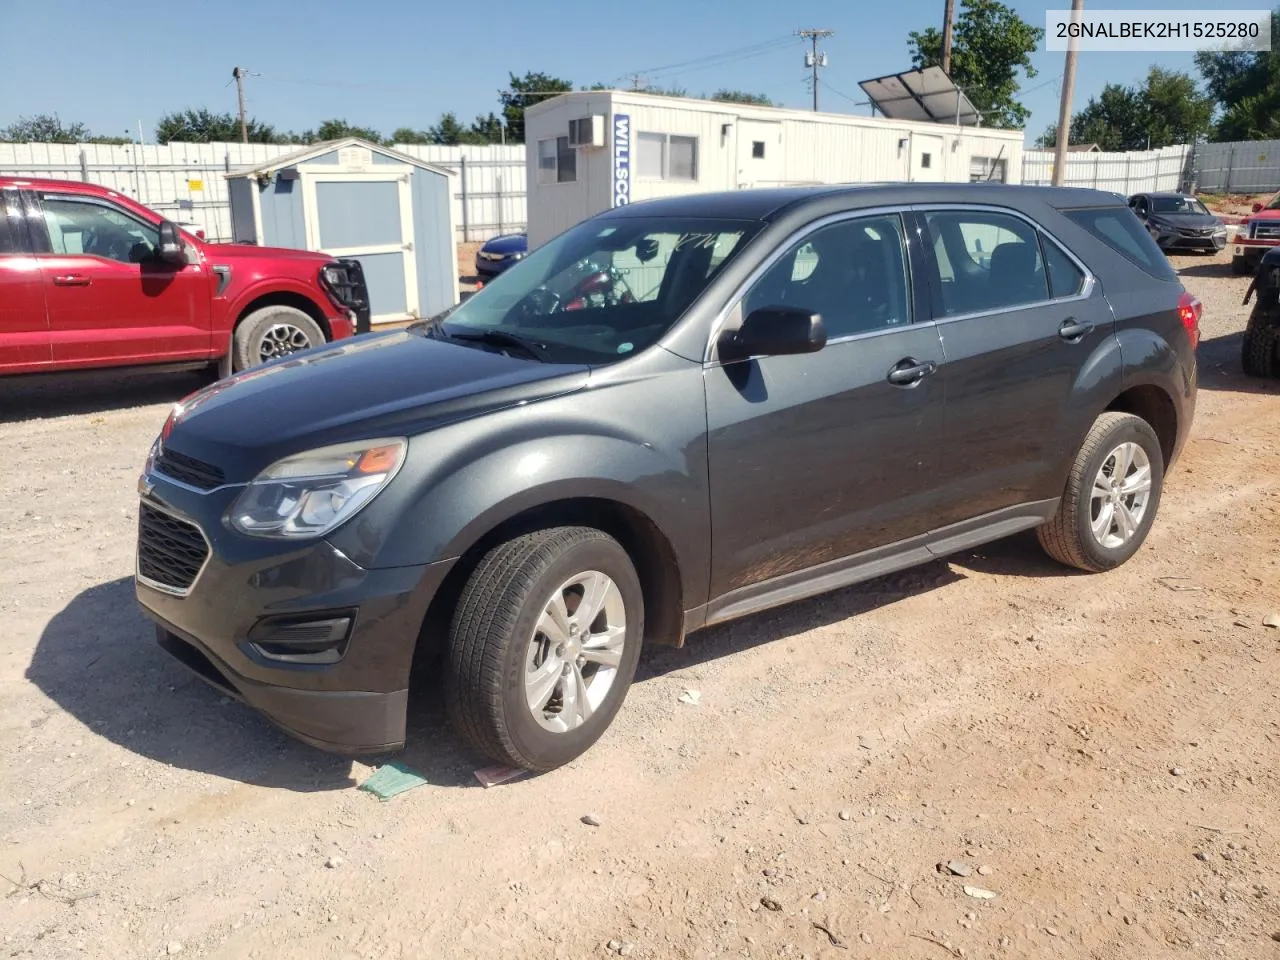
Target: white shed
592,150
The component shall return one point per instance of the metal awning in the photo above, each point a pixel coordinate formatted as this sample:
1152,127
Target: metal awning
927,95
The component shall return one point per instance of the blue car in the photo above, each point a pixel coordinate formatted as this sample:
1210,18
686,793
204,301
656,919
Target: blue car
500,253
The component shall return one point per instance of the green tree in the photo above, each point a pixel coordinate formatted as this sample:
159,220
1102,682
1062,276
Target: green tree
488,129
523,93
1166,109
1246,89
337,129
741,96
409,135
204,126
991,44
44,128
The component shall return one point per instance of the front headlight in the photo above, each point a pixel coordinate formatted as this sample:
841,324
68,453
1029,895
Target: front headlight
311,493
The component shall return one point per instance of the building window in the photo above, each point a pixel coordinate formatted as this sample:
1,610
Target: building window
926,161
661,156
757,149
557,161
988,168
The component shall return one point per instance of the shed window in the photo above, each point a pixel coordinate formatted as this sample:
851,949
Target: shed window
757,149
662,156
926,161
557,161
988,168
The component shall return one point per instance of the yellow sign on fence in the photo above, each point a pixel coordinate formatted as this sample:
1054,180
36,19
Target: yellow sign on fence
196,186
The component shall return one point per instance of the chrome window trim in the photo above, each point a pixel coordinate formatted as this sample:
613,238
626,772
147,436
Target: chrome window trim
782,248
164,587
1086,290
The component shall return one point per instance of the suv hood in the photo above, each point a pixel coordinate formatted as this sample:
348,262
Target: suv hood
378,385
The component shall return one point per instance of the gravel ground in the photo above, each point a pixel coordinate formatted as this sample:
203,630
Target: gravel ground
1094,756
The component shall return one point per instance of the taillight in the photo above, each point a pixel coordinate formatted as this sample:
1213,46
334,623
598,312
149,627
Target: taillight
1189,311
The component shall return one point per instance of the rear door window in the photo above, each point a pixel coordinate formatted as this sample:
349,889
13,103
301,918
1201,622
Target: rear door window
986,261
1124,233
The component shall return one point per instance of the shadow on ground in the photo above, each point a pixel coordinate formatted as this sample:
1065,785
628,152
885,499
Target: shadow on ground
1214,268
47,395
1220,368
98,660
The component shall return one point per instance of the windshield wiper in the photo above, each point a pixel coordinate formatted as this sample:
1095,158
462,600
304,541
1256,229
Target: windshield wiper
498,338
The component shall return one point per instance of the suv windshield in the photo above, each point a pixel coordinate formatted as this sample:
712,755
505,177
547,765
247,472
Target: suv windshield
1178,205
601,291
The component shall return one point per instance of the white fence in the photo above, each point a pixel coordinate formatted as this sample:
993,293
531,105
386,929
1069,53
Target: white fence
184,181
1136,172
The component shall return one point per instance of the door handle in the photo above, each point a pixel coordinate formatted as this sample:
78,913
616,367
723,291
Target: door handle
1073,331
910,371
71,280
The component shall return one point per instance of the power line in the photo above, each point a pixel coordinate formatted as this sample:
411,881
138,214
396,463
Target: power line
760,47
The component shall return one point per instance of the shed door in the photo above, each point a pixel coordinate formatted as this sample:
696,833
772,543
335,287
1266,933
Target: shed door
927,159
368,216
759,153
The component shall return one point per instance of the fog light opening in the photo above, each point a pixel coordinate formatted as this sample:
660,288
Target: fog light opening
309,641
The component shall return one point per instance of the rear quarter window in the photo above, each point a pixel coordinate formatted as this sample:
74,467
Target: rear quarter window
1124,233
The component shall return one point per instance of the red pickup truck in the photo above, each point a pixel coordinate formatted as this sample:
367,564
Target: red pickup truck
90,278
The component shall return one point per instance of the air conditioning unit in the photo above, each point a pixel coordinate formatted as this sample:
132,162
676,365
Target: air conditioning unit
587,132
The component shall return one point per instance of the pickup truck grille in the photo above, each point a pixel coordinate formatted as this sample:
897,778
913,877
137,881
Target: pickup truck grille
171,552
189,470
1266,231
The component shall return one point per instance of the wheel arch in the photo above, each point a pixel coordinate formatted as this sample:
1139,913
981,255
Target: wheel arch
1154,405
285,298
650,549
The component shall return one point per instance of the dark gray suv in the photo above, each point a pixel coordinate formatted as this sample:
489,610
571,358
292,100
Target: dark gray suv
676,413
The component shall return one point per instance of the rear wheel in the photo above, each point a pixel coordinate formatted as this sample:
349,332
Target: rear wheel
271,333
543,646
1111,496
1260,348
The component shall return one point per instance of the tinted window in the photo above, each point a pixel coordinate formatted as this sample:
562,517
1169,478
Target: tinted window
986,261
77,227
853,273
1178,205
10,222
602,291
1120,230
1065,278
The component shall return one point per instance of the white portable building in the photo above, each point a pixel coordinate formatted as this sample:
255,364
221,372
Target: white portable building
592,150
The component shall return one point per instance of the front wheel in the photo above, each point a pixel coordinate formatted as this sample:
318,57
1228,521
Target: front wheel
543,646
1111,496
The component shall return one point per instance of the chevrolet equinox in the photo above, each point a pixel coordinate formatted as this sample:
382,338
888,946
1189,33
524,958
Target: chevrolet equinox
676,413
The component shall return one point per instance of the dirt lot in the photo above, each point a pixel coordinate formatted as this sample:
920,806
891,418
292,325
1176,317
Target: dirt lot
1100,752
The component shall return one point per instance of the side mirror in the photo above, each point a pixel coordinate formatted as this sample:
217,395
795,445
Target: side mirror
774,332
1257,208
172,248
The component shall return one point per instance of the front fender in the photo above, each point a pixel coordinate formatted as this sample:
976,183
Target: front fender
461,481
240,299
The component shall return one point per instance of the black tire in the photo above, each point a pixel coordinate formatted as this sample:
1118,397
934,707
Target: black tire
247,346
1240,266
1260,348
491,634
1069,537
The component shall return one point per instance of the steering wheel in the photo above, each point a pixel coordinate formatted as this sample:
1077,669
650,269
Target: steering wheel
538,302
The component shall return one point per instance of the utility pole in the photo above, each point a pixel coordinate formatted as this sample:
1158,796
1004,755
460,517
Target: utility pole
815,60
1064,109
239,73
947,26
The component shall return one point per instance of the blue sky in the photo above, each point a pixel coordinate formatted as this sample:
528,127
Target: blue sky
397,63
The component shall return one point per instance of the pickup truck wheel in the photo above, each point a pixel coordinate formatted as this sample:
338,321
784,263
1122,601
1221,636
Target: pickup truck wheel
1260,348
271,333
543,646
1111,496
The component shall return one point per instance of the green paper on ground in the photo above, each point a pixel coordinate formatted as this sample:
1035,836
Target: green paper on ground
392,779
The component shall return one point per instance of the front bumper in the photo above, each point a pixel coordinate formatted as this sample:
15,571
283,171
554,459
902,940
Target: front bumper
1177,241
216,625
491,268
